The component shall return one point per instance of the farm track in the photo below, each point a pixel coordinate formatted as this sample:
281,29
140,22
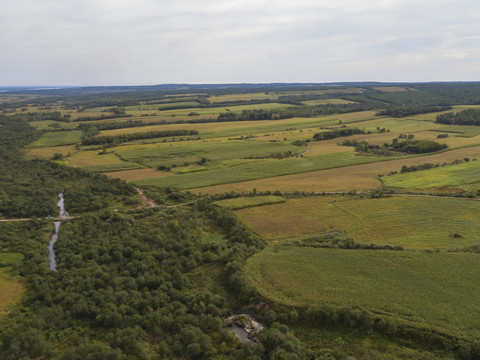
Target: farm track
58,218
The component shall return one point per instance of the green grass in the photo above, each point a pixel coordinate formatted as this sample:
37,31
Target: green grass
247,202
413,222
214,112
112,167
11,288
258,170
58,138
158,107
216,152
444,176
51,125
426,289
242,97
9,259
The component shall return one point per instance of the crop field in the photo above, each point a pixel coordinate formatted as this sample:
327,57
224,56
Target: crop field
129,175
52,125
213,112
178,153
95,161
164,106
11,288
295,218
355,177
237,128
445,176
48,152
413,222
263,168
327,101
243,97
246,202
58,138
437,290
392,88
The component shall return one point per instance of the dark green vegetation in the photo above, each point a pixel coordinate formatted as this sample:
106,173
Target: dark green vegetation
30,187
417,146
118,139
325,135
364,276
466,117
406,110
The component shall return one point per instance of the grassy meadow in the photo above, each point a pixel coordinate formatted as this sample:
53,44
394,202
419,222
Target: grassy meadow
440,177
355,177
413,222
263,168
58,138
11,287
426,290
247,202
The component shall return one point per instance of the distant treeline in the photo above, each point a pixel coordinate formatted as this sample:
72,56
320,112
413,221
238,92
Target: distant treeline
117,139
406,110
102,117
427,166
112,125
39,116
465,117
326,135
297,111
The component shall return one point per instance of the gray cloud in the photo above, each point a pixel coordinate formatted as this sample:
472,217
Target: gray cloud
96,42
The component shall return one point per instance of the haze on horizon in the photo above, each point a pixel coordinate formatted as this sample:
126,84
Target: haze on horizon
126,42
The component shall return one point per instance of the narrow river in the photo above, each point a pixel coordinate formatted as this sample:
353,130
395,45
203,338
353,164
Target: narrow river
51,253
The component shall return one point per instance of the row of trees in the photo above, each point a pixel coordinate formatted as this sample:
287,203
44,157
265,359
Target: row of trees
399,111
117,139
326,135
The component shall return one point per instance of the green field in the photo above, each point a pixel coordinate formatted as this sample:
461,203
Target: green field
216,152
413,222
247,202
11,288
259,169
52,125
58,138
444,176
437,290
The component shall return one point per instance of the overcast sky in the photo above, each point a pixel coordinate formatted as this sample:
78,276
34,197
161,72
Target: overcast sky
129,42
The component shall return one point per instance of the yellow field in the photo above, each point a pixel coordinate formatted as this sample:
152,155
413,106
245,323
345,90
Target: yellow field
11,290
135,174
355,116
414,222
48,152
76,115
84,158
391,88
44,124
358,177
203,128
326,147
328,101
240,97
294,218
